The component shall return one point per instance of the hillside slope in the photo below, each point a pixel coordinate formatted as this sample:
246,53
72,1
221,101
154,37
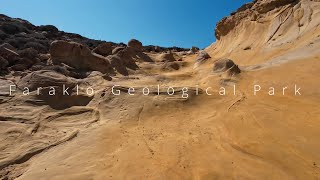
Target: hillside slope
269,32
234,136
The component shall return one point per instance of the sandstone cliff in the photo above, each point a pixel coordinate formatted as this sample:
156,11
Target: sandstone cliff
276,30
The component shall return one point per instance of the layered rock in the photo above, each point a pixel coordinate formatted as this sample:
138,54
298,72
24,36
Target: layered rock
265,26
202,56
45,78
55,89
252,11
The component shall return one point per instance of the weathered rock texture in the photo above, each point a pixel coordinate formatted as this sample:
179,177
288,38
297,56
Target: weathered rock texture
265,26
78,56
226,65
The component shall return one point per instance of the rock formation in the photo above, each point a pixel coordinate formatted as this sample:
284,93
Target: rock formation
78,56
266,26
200,131
24,46
104,49
202,56
135,45
226,65
45,78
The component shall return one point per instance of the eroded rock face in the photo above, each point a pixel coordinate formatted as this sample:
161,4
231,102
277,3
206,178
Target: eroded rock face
226,65
55,89
202,56
135,45
124,58
104,49
60,101
250,10
45,78
78,56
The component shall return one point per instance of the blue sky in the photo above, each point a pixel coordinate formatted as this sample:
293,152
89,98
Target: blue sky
182,23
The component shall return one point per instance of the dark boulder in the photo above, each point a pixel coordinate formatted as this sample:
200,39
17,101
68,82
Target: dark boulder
104,49
122,60
226,65
135,45
78,56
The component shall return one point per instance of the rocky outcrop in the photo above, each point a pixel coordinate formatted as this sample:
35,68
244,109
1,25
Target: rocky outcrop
24,46
45,78
104,49
264,27
226,65
135,45
122,59
78,56
251,11
202,56
22,34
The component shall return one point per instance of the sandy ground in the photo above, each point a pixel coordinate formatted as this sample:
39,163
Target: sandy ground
238,136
